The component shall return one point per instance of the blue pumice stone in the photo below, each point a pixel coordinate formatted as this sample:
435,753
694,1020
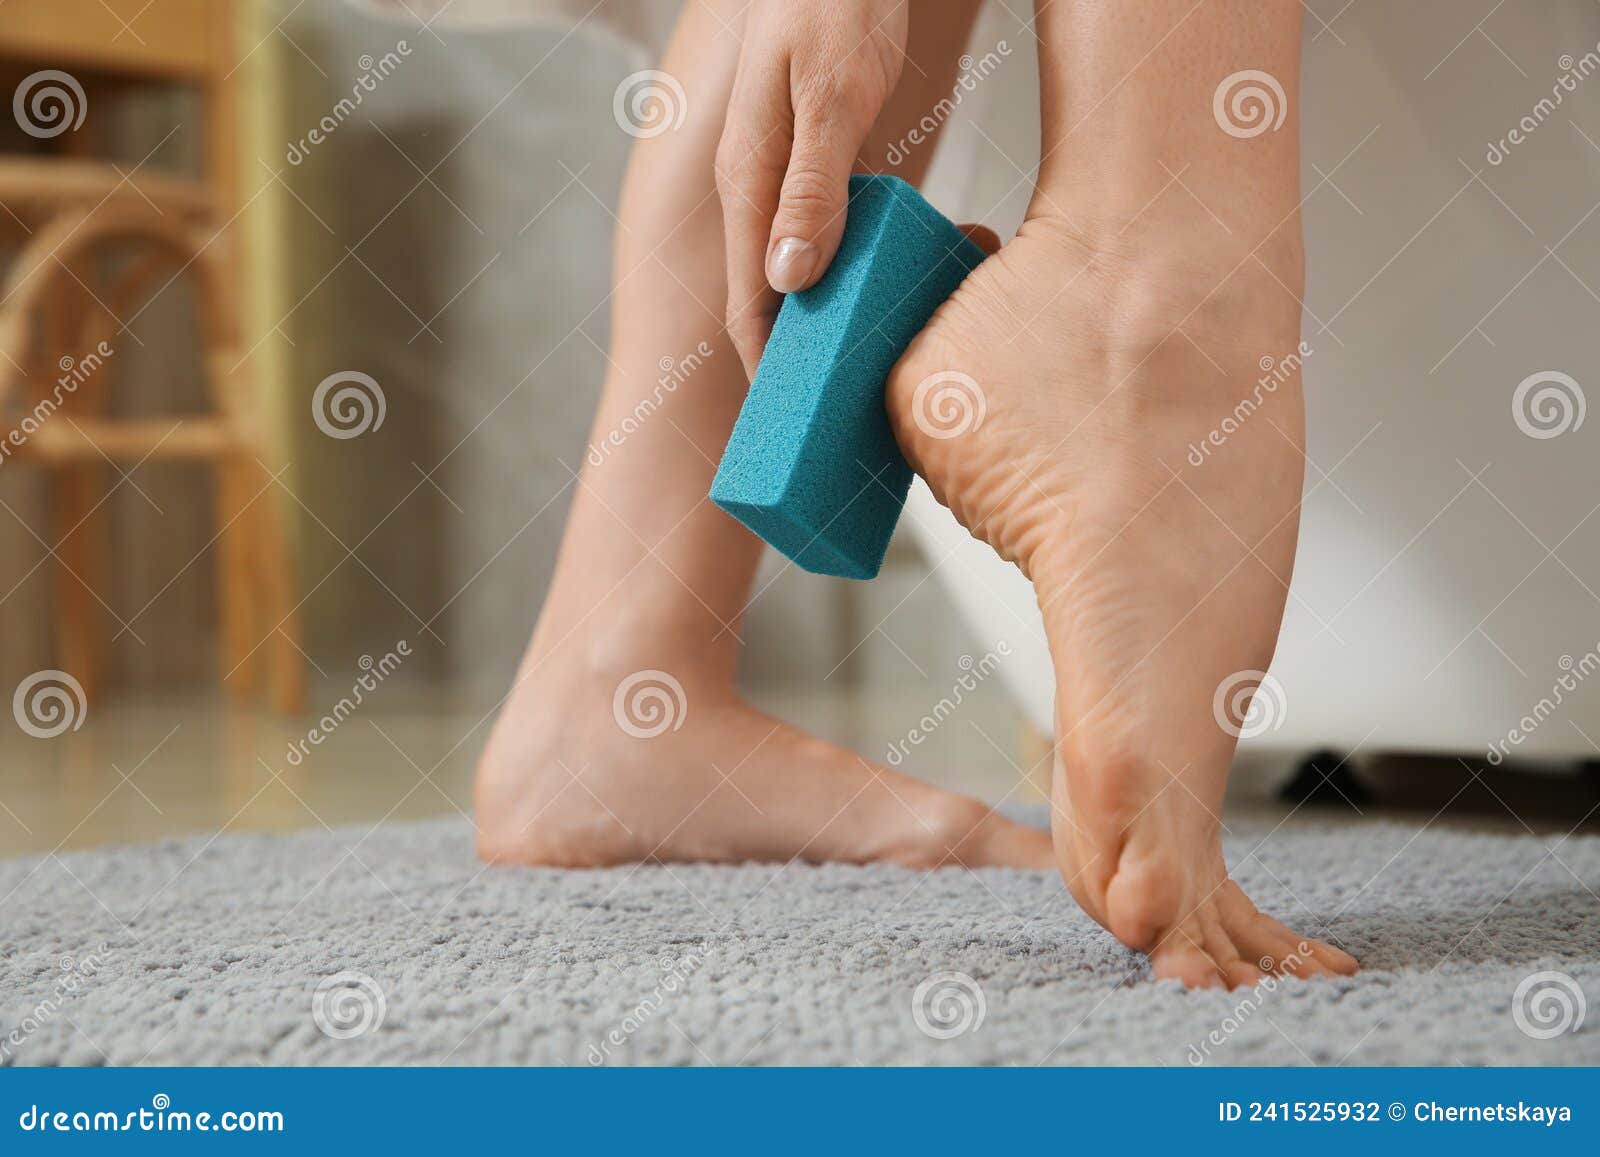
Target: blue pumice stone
812,465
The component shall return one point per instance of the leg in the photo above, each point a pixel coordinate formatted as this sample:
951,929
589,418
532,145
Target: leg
1156,279
651,581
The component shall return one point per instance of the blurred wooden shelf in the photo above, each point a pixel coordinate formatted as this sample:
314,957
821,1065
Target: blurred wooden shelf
163,38
30,186
95,440
64,298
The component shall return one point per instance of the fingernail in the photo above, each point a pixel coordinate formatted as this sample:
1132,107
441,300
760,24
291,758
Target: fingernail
790,263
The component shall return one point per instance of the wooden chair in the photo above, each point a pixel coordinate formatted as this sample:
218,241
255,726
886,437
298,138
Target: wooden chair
61,298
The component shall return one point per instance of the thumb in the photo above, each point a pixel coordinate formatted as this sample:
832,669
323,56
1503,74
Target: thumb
811,208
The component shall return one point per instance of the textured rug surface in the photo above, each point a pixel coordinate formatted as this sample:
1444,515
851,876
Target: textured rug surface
397,946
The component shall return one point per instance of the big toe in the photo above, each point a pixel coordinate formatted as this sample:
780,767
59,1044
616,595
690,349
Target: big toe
1183,957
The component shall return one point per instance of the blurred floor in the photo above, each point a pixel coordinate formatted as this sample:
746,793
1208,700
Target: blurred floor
148,767
156,767
153,767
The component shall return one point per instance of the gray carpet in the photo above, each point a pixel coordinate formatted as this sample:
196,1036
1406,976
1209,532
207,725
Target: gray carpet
213,951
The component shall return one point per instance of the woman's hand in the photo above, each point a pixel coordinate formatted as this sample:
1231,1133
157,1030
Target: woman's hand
812,79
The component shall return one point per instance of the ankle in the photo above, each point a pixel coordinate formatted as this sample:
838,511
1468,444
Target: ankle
1175,247
1153,282
588,665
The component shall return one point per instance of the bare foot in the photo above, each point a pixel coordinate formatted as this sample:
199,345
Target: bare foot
1159,580
645,764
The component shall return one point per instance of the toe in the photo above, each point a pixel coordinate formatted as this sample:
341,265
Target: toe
1330,960
939,828
1303,956
1302,964
1183,960
1002,843
1272,946
1335,958
1236,972
1140,907
1244,974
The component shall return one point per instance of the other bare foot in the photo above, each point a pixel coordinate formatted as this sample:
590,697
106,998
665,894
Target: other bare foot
638,763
